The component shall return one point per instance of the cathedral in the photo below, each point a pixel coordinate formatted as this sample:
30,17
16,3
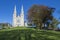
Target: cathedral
18,20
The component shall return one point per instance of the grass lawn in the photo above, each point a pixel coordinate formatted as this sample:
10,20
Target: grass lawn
28,34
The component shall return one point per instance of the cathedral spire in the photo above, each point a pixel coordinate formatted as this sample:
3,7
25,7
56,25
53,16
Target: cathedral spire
22,16
22,11
14,16
15,10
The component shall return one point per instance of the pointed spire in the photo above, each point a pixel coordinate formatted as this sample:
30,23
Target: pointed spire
22,8
14,16
22,11
15,9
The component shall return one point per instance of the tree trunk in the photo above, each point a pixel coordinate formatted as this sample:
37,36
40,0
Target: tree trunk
40,25
44,25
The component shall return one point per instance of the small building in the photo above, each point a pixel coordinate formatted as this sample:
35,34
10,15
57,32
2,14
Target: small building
5,25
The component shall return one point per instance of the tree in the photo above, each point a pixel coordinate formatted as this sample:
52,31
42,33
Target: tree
39,14
54,23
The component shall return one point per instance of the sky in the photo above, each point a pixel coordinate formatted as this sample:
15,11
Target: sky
7,8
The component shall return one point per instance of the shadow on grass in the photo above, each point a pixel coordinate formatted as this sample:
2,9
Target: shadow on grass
29,34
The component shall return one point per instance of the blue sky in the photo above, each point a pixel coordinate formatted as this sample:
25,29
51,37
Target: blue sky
7,7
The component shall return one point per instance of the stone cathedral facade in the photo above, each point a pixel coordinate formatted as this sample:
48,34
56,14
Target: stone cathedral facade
18,20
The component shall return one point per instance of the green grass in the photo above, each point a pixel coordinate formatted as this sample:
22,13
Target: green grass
28,34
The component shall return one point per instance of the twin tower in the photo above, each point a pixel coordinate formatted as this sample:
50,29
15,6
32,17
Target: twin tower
18,20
